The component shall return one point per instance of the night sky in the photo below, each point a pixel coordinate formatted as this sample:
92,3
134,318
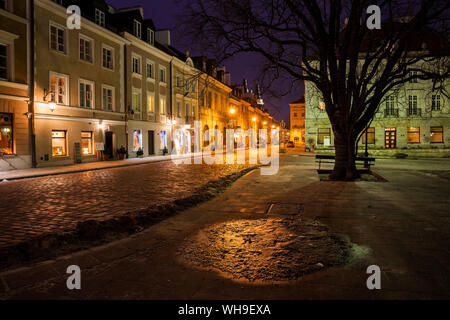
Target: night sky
164,14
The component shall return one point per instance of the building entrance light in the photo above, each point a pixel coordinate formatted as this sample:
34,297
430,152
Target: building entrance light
51,104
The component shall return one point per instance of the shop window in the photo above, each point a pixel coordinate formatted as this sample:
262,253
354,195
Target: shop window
436,134
6,134
163,139
59,143
162,105
323,132
87,143
370,135
413,135
137,140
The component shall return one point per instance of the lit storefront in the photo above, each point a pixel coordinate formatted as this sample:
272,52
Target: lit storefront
6,134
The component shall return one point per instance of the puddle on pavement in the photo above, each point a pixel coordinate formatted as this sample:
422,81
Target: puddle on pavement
274,249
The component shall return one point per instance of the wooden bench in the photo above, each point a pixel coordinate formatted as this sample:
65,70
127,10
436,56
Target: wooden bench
330,159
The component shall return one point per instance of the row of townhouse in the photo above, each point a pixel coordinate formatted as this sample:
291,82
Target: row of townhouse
70,95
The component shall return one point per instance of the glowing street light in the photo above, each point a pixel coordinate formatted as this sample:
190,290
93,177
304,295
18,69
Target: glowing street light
232,111
254,119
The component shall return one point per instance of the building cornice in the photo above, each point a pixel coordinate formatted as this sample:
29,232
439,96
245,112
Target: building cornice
12,16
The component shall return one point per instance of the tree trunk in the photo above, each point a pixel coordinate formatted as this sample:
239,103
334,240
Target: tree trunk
344,165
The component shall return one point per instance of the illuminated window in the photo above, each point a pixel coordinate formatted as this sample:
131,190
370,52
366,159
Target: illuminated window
150,102
137,101
370,136
87,143
137,140
6,133
322,133
413,135
162,105
58,88
59,143
58,38
436,134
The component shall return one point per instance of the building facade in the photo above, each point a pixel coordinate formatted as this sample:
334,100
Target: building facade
15,147
297,123
109,83
79,86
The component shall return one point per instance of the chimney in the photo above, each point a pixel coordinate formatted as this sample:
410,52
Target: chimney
163,37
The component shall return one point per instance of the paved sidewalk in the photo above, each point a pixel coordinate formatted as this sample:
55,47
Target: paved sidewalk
401,225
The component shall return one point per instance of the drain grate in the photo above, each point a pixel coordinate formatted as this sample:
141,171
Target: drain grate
284,208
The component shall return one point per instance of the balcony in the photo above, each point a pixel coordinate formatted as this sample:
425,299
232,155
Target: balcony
391,112
414,112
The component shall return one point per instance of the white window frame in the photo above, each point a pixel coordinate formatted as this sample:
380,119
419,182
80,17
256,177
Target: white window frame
92,43
104,46
66,42
113,100
102,17
67,87
138,91
86,82
150,36
139,58
7,39
137,29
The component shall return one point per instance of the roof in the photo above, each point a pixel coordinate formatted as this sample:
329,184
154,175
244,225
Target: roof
301,100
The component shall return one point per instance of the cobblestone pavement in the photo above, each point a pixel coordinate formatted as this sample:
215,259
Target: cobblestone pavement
35,206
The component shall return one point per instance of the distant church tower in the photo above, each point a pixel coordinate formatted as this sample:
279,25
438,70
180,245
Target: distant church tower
259,99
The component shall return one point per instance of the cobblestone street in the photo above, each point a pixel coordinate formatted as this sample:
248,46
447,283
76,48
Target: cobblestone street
35,206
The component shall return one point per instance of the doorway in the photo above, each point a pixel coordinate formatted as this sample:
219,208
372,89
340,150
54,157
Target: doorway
109,144
151,142
390,138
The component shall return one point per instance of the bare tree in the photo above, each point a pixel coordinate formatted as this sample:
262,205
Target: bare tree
329,43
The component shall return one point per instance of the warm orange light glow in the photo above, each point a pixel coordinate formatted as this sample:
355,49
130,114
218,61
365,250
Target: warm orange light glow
232,111
273,127
264,122
52,106
254,119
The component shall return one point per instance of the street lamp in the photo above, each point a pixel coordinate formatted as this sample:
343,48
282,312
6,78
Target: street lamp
232,111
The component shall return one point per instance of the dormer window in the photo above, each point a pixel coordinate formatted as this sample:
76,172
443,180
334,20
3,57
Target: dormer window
99,17
150,36
137,29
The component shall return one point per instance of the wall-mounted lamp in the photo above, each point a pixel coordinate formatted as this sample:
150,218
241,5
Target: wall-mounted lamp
51,104
232,111
264,122
254,119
